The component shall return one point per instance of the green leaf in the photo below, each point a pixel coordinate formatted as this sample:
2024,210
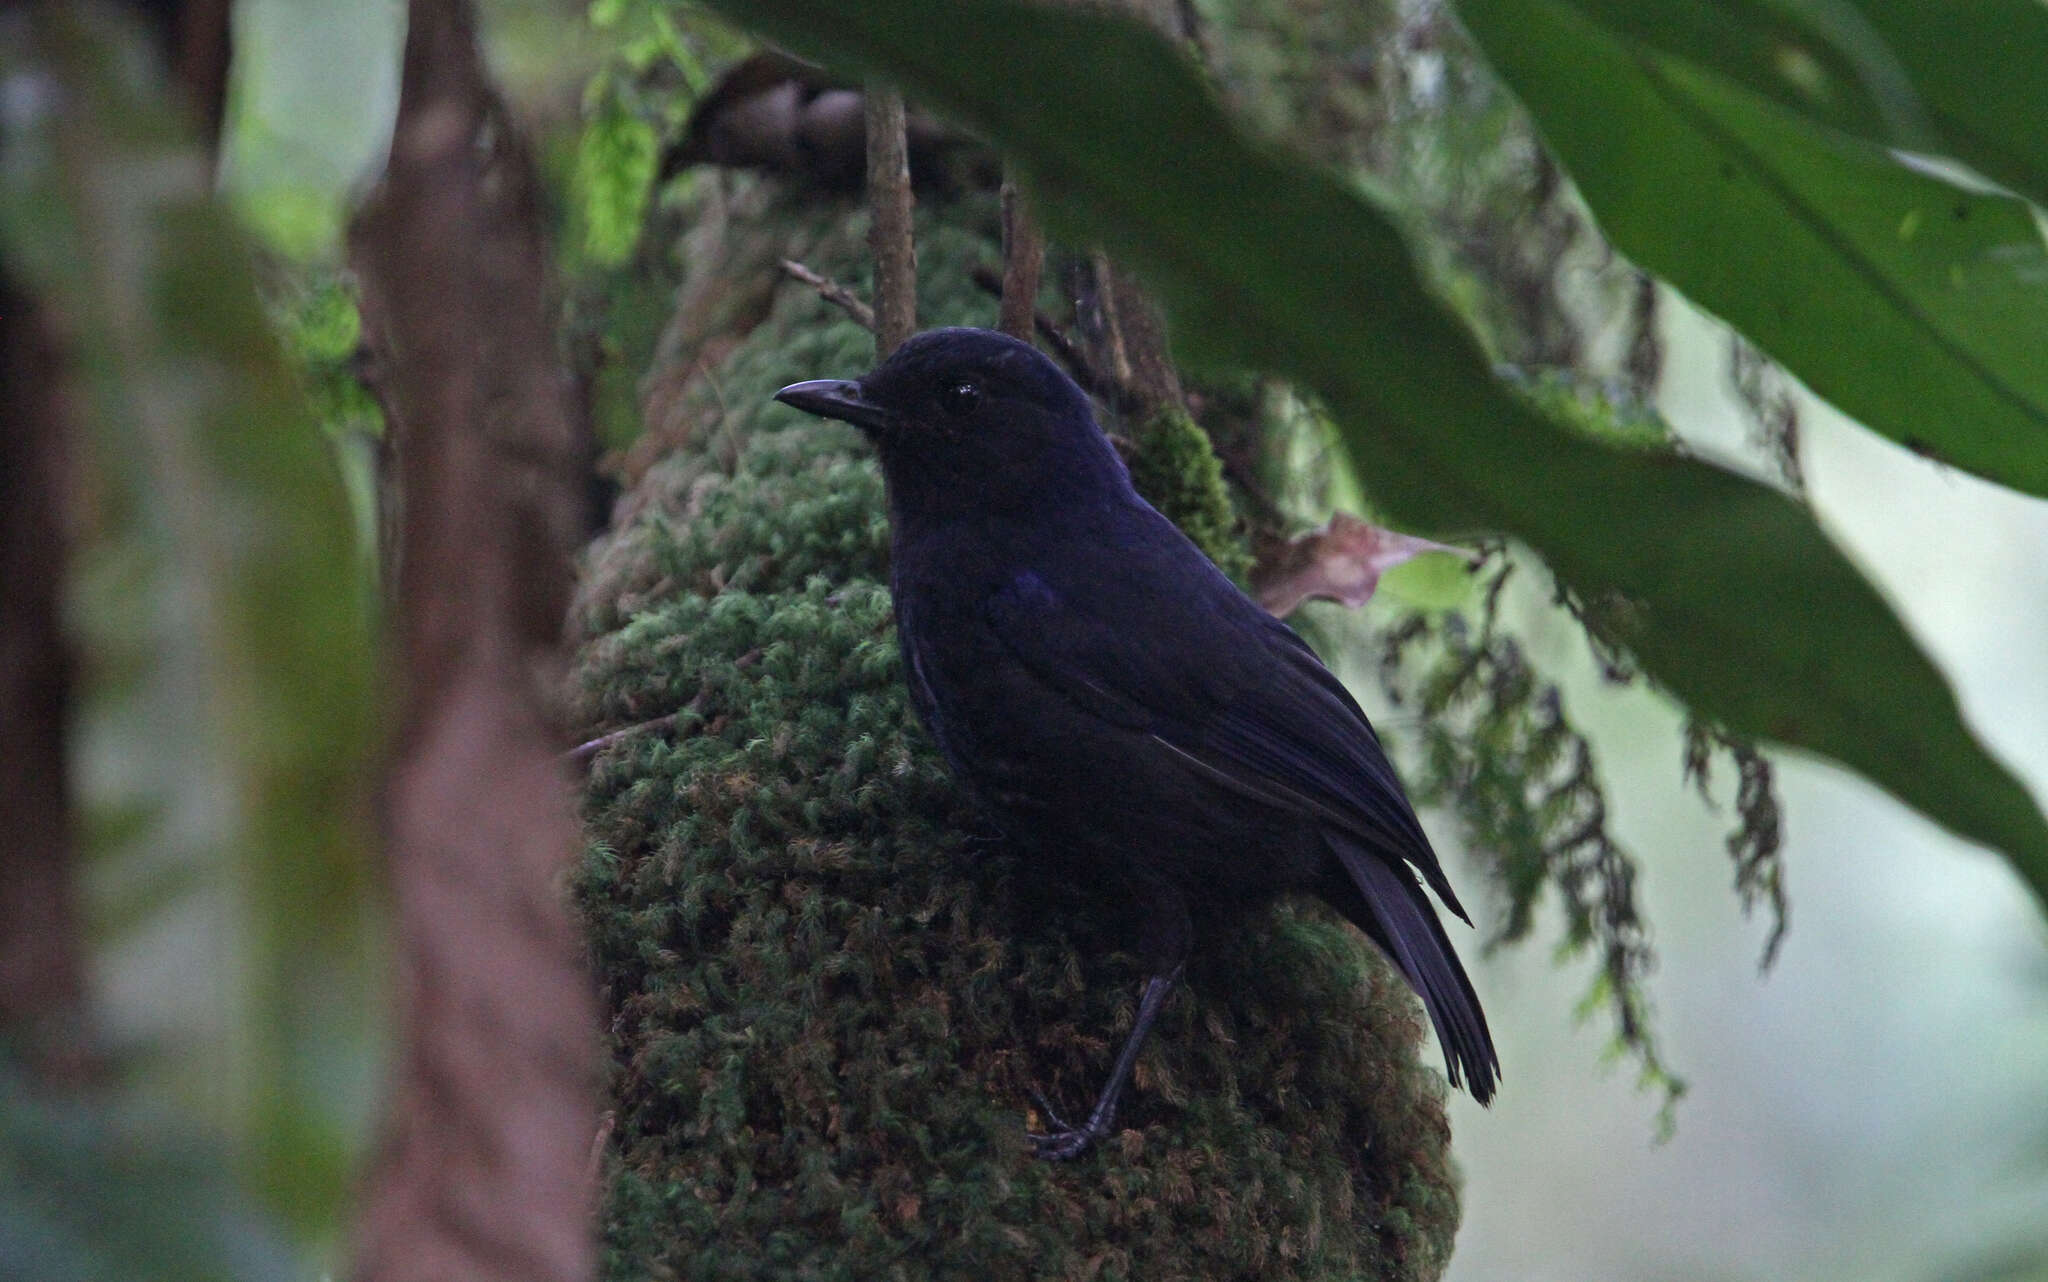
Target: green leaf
615,164
1914,304
1726,590
1963,80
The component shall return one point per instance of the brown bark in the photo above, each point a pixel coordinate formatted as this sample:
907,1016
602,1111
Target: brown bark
889,235
1125,337
1023,262
195,40
481,1170
42,985
200,64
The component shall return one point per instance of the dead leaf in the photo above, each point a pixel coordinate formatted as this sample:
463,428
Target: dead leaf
1341,562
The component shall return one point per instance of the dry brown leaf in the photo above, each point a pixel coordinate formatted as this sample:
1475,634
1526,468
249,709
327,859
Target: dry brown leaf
1340,562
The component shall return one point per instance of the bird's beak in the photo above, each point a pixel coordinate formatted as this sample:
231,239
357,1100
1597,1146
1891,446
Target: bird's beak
838,398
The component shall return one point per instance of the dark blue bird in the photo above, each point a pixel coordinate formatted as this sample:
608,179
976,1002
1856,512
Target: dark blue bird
1109,696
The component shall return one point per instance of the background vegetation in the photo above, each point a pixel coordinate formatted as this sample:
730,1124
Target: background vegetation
1450,266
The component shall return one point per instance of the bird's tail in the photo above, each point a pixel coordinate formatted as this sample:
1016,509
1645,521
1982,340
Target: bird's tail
1392,909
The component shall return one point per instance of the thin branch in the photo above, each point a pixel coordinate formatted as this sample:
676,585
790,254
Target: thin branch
583,752
889,235
1023,261
595,1168
1103,279
833,292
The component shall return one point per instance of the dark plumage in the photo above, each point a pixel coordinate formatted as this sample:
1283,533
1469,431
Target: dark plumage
1110,697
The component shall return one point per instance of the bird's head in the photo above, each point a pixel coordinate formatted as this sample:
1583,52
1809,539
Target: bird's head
969,419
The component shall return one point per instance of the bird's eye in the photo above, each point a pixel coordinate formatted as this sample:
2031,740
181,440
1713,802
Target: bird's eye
959,397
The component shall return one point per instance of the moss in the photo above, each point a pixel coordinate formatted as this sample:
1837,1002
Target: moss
1176,469
831,993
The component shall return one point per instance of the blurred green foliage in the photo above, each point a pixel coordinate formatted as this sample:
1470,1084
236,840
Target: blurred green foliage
313,90
229,711
97,1191
615,164
314,312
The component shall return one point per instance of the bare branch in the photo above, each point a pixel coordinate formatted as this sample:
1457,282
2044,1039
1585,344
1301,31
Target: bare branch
1109,332
889,234
833,292
1023,261
585,752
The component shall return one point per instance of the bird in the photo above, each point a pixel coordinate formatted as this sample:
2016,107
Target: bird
1112,699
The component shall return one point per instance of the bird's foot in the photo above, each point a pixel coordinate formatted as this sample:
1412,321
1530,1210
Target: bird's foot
1061,1142
1062,1145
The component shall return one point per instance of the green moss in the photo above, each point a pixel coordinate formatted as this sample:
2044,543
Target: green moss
831,993
1176,469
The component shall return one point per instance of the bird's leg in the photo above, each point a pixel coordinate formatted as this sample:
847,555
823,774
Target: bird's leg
1061,1141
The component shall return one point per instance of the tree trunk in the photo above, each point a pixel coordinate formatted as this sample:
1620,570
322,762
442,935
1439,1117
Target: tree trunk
482,1172
42,985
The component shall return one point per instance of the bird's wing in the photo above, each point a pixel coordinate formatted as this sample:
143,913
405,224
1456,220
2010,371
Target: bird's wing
1228,689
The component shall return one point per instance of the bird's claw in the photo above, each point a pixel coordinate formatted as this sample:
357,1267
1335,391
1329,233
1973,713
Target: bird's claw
1064,1144
1062,1141
1047,1111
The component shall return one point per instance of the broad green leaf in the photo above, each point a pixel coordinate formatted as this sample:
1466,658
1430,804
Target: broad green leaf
1967,80
1915,305
230,705
1726,590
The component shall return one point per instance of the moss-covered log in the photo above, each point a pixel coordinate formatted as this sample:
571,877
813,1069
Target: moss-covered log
831,991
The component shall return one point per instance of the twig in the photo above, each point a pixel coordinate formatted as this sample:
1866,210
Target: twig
833,292
889,238
605,1126
583,752
1023,260
1112,324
